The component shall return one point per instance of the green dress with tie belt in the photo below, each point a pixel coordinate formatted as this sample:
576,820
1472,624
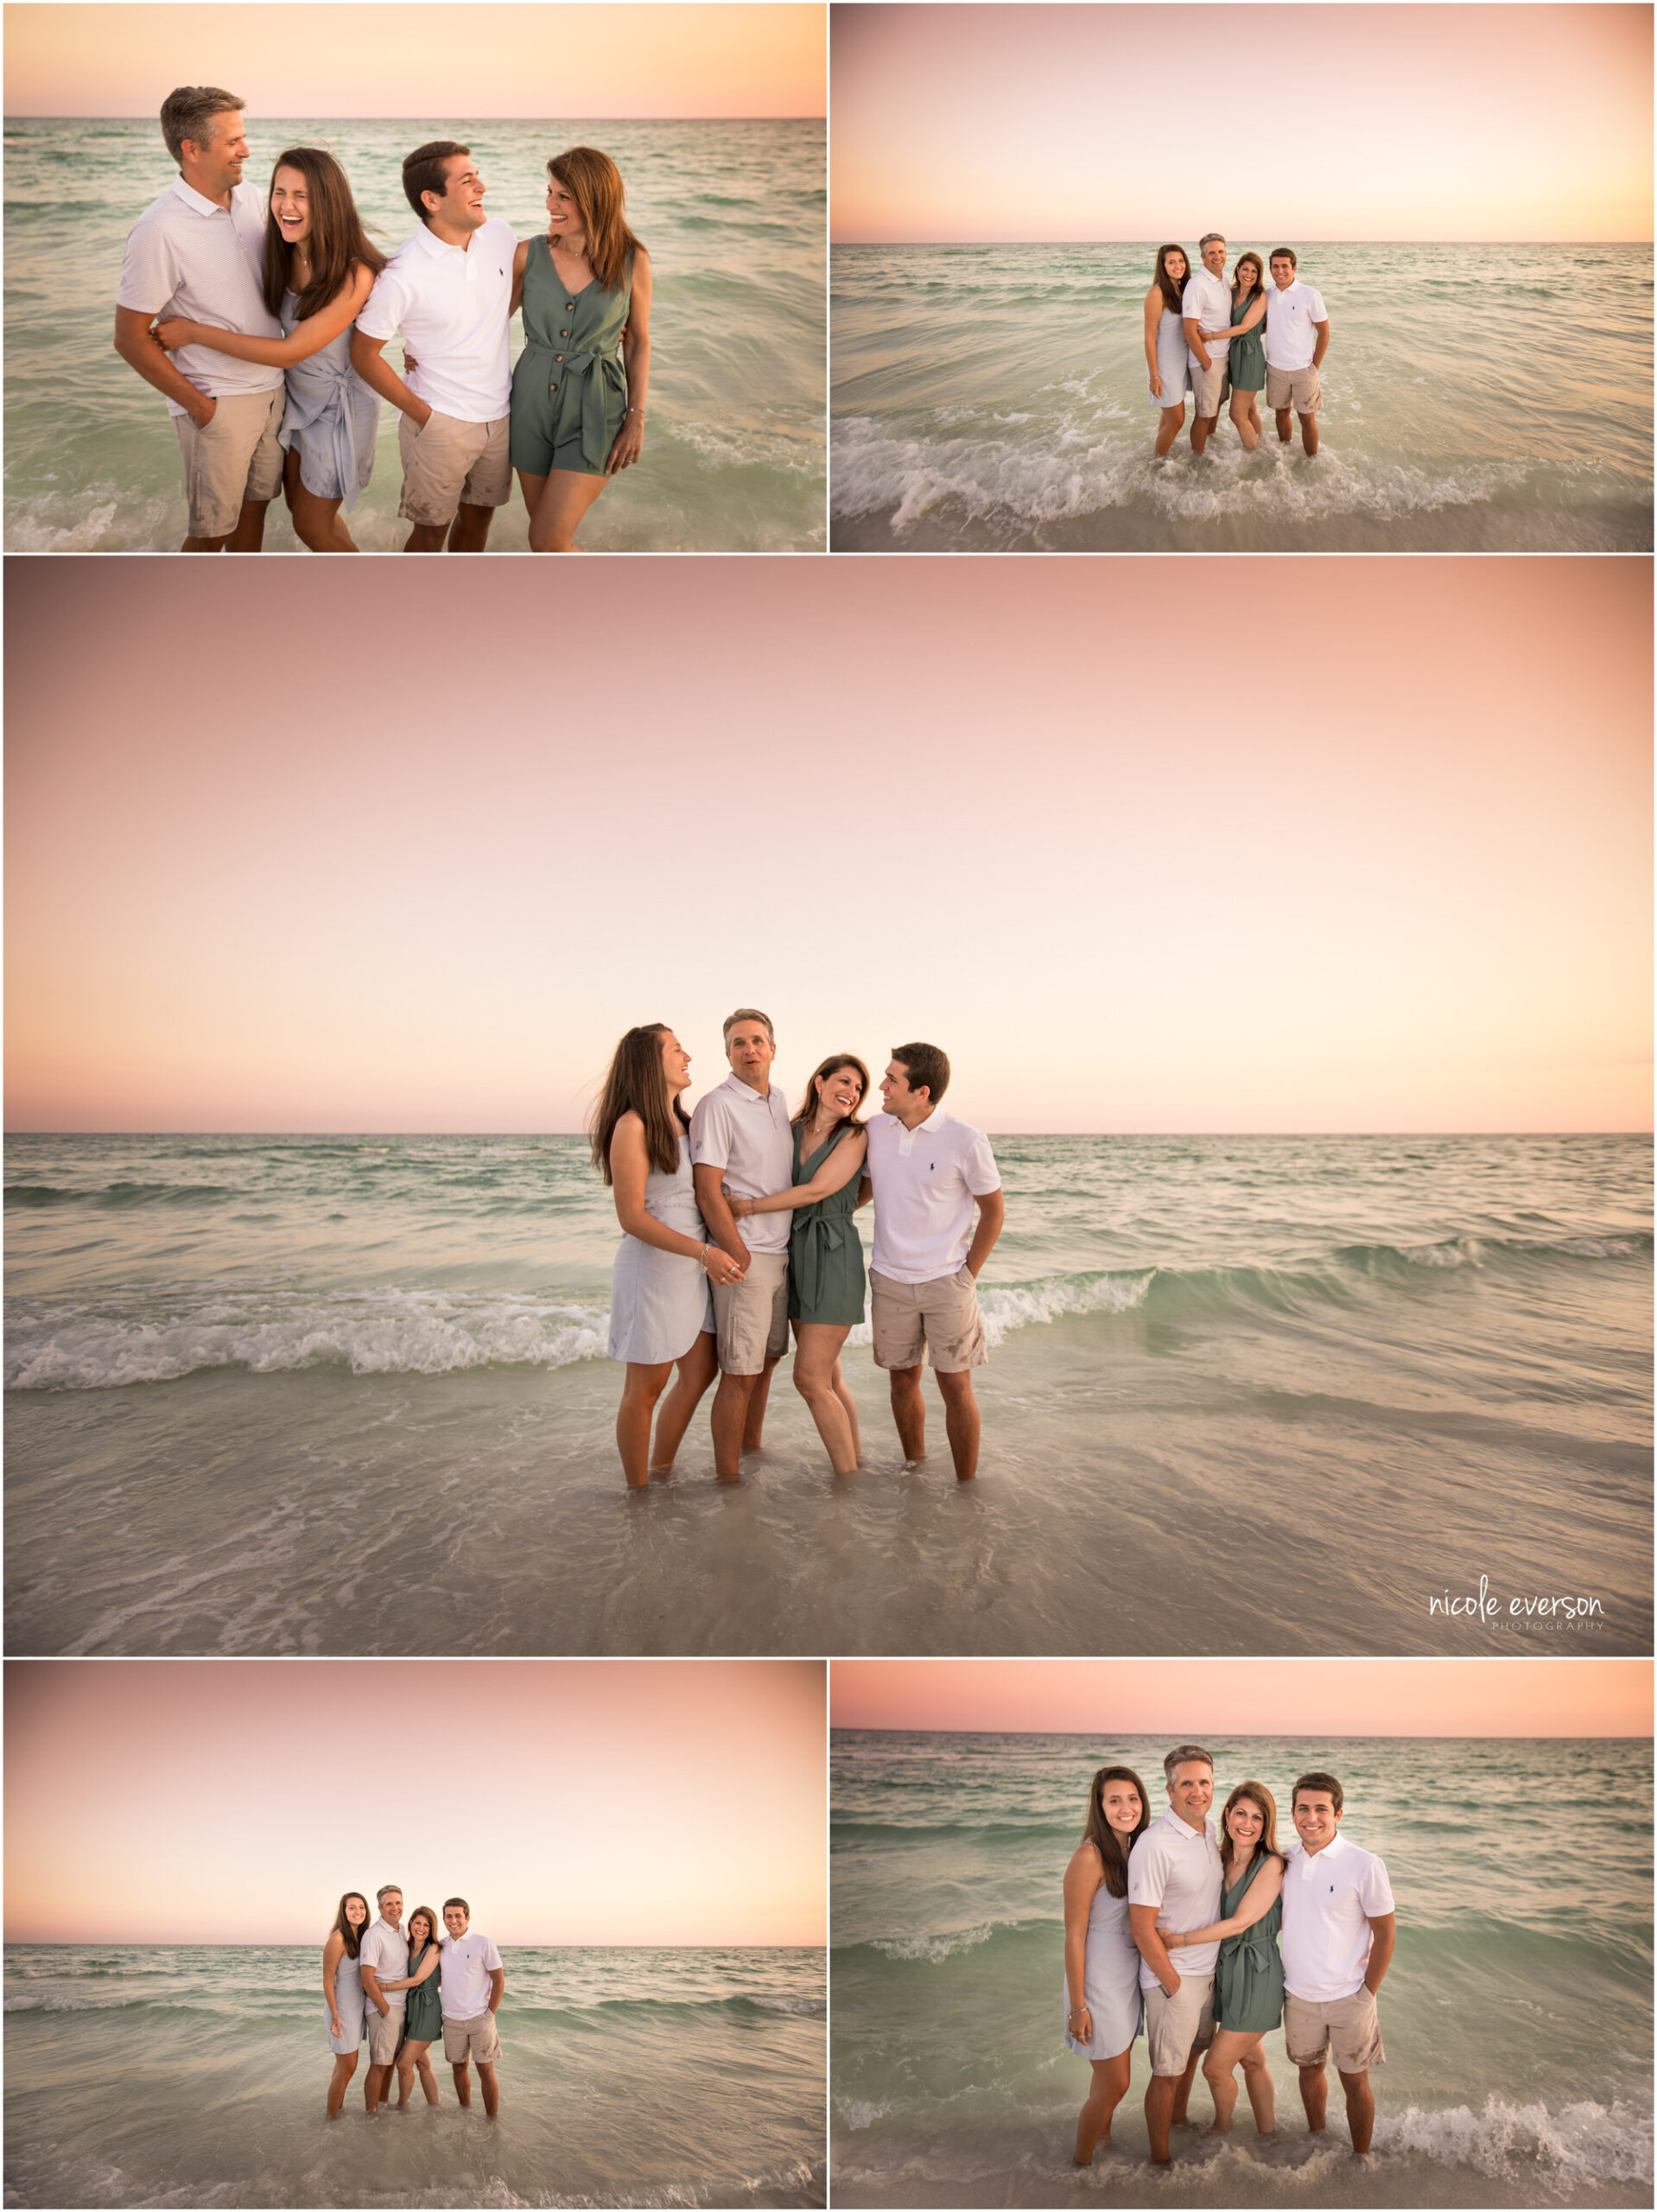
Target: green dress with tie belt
1247,359
825,1255
1248,1973
569,388
423,2007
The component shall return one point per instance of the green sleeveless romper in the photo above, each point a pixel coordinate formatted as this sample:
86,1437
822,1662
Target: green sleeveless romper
1247,358
825,1255
1248,1973
570,389
423,2015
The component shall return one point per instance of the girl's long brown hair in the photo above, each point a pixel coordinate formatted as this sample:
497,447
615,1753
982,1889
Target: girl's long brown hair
1246,261
1103,1838
1266,1805
832,1065
593,183
1174,295
338,240
636,1085
343,1927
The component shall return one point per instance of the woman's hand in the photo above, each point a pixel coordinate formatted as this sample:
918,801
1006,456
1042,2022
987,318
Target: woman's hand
1156,386
1082,2024
1171,1940
629,442
175,330
718,1266
334,2029
735,1205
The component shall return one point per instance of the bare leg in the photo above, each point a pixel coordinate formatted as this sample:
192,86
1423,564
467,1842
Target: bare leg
1230,2048
405,2079
644,1386
1314,2094
490,2089
202,545
753,1428
1309,432
469,531
697,1371
1158,2114
1360,2110
1109,2088
1246,431
428,2078
960,1422
1257,2080
318,524
1173,423
1285,424
344,2068
908,1411
462,2085
555,512
727,1421
842,1392
248,536
1183,2089
1201,427
427,537
816,1365
376,2084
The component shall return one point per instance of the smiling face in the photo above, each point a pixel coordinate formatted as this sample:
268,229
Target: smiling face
840,1092
1177,266
900,1100
1214,257
563,216
1282,271
290,206
355,1912
213,163
392,1906
1314,1818
1245,1824
751,1052
1119,1803
421,1931
676,1064
456,1919
1190,1791
461,208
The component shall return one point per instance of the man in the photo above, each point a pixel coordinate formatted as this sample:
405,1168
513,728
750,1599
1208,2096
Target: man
199,252
473,1980
925,1171
1174,1881
1339,1927
382,1954
1297,339
740,1134
448,291
1206,305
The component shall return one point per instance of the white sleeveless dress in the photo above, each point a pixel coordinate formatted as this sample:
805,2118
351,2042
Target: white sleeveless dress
350,2005
659,1300
1173,361
1110,1981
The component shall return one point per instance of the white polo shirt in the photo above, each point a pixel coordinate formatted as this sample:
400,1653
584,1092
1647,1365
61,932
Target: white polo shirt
1176,1868
925,1180
187,256
752,1140
1207,300
386,1950
1291,340
450,305
467,1965
1329,1897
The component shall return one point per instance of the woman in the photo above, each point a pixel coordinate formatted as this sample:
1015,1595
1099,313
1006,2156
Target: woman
1167,355
825,1255
661,1309
1246,360
423,2017
342,1993
578,389
1101,1964
1248,1973
319,269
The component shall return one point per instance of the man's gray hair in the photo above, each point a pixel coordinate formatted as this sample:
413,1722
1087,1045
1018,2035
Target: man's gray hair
188,114
1184,1753
1212,238
748,1014
387,1890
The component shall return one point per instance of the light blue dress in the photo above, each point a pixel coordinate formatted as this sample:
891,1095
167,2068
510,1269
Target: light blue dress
1110,1981
1173,362
660,1301
333,417
350,2003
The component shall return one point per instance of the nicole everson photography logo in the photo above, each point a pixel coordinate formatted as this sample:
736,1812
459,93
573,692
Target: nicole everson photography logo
1541,1610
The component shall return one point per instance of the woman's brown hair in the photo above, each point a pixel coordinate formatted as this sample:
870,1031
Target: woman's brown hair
1246,261
832,1065
343,1927
638,1084
1173,293
1103,1838
338,240
593,183
433,1925
1266,1805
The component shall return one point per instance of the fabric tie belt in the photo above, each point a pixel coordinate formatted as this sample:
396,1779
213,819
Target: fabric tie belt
825,1234
595,447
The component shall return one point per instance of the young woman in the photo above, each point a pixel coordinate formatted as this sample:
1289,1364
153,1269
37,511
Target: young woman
342,1993
1166,354
1101,1964
422,2018
1248,1973
825,1255
1247,359
578,389
319,268
661,1309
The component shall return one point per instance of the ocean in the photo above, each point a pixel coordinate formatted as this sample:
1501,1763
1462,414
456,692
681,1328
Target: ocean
1478,398
349,1395
1517,2014
733,215
182,2075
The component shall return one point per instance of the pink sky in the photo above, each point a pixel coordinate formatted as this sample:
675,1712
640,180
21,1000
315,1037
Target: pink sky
484,60
1312,123
1247,1697
980,802
569,1801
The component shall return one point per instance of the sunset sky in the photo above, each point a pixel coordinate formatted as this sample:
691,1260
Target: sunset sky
570,1801
1249,1697
1316,122
312,61
423,878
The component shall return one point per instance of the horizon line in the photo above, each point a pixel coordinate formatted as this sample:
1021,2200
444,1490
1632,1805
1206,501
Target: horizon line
1274,1735
1104,241
148,115
183,1943
363,1131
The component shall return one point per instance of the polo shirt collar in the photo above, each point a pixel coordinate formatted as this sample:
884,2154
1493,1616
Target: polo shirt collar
935,1119
734,1082
1184,1825
433,244
198,202
1336,1843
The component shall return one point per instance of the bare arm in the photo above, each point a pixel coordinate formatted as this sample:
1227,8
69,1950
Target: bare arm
1194,340
141,351
1322,346
428,1965
843,1162
372,1992
992,1214
1142,1919
716,1213
1153,320
380,376
1081,1879
865,1192
1263,1893
497,1984
1383,1940
630,1168
317,331
635,363
1256,310
520,263
333,1951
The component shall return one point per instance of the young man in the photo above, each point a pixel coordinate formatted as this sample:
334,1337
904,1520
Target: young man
740,1134
925,1171
473,1980
1174,1881
382,1954
448,291
1339,1926
199,252
1297,339
1206,305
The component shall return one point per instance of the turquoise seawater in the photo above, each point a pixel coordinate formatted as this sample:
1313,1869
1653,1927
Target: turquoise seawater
1478,398
733,214
240,1368
195,2075
1516,2014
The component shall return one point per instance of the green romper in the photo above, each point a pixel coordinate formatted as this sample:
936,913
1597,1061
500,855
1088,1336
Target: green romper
570,389
422,2018
1247,358
825,1254
1248,1973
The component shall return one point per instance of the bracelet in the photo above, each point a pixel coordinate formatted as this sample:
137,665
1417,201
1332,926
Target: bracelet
635,411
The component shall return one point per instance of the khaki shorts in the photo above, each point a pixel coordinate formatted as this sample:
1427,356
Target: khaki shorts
448,464
1209,384
750,1316
384,2034
1175,2026
1296,388
940,1317
1349,2024
236,457
474,2039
